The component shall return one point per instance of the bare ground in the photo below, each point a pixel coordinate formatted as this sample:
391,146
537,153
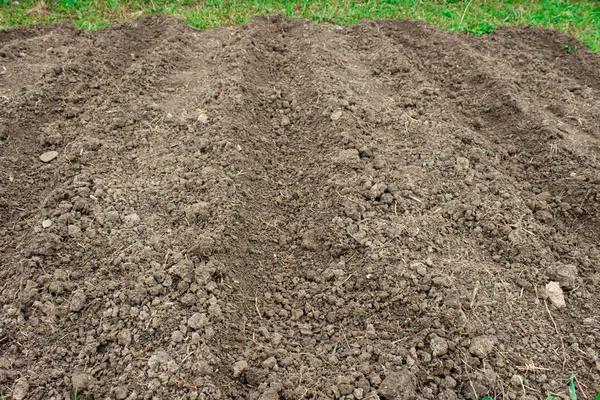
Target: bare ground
288,210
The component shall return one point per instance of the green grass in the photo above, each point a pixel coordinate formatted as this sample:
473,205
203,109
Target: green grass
576,18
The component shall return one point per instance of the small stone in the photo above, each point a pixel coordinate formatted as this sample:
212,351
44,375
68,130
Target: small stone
203,118
285,121
82,381
359,393
121,392
482,346
183,269
346,389
159,358
132,219
74,231
276,339
462,164
337,114
5,363
377,190
49,156
78,301
439,346
177,337
197,321
269,362
401,385
20,390
124,338
239,367
478,123
47,223
555,294
565,274
269,394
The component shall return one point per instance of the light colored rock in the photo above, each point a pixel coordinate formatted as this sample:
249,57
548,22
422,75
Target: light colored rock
337,114
20,390
4,363
401,385
82,381
462,165
276,339
482,346
439,346
132,219
49,156
183,269
159,358
177,337
121,392
74,231
197,321
269,394
78,301
555,294
203,118
47,223
124,338
239,367
359,393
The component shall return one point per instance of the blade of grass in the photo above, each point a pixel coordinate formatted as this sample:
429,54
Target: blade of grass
572,391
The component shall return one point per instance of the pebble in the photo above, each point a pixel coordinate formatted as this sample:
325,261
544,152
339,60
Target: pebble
82,381
20,390
398,385
359,393
124,338
269,394
159,358
177,337
239,367
47,223
482,346
74,231
121,392
197,321
439,346
78,301
276,339
565,274
203,118
132,219
337,114
49,156
555,294
462,164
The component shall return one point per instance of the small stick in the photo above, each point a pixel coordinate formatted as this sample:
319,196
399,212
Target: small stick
400,340
256,305
581,385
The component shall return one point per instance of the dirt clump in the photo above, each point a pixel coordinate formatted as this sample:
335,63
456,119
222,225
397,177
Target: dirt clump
287,210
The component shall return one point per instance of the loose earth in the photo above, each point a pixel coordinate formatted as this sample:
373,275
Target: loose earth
288,210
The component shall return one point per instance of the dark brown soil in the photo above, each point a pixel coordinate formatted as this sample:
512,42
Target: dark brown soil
288,210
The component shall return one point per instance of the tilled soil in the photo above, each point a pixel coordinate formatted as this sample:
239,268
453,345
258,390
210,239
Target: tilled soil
288,210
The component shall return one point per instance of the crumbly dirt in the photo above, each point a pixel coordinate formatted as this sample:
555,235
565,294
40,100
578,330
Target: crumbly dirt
288,210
